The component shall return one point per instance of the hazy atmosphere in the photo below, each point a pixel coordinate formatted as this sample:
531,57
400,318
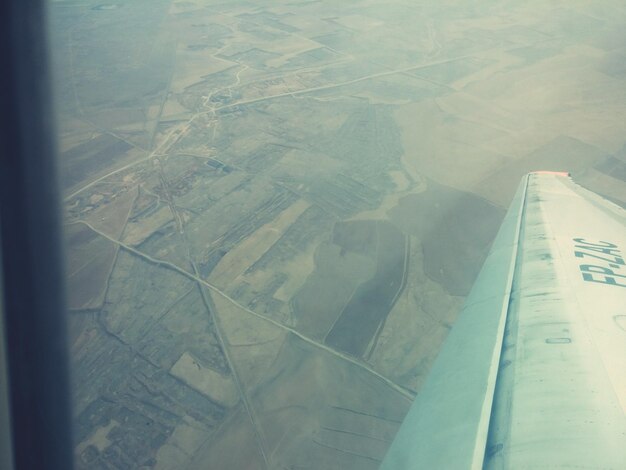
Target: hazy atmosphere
275,210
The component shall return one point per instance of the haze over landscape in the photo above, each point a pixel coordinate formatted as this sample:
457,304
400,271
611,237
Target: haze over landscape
274,210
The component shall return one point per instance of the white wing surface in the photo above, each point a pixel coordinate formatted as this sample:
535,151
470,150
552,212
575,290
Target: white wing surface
533,374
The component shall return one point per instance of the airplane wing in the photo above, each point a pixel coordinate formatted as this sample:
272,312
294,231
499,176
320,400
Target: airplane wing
533,374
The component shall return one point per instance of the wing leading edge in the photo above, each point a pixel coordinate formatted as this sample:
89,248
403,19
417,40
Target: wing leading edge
533,374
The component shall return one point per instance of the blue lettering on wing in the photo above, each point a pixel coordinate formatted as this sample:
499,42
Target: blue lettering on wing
604,271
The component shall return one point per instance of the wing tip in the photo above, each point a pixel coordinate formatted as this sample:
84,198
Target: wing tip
549,172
